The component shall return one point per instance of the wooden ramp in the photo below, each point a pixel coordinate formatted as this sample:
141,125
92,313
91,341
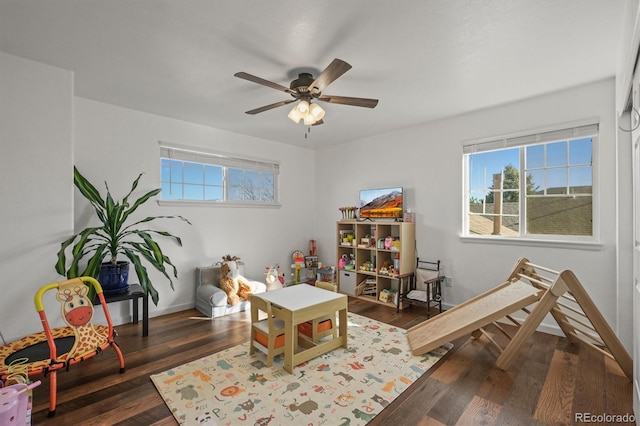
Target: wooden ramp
467,317
535,291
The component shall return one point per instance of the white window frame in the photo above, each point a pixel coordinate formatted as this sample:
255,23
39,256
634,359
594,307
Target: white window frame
224,160
560,132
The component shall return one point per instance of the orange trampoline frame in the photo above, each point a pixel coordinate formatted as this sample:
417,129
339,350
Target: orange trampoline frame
50,366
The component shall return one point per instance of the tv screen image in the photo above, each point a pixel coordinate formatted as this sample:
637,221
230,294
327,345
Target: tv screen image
381,203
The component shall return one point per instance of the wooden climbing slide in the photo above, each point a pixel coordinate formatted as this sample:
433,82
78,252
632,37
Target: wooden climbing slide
534,291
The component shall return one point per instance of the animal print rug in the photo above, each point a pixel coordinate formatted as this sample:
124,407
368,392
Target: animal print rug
343,387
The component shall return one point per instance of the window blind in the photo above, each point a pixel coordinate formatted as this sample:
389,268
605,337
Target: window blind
217,159
555,135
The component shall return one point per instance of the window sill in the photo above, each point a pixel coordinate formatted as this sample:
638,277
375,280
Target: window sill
216,204
576,245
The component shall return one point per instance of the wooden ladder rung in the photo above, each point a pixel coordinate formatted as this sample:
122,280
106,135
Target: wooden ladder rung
578,320
513,320
571,308
490,339
551,271
502,330
597,348
594,337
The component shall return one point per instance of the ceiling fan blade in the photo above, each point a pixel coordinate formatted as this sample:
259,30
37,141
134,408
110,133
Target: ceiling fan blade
335,69
345,100
268,107
254,79
319,122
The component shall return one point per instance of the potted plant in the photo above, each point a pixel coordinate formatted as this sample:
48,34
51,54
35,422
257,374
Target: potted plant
117,235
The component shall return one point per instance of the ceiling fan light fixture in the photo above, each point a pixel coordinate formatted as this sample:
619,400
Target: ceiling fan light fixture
309,120
307,112
294,115
303,107
316,111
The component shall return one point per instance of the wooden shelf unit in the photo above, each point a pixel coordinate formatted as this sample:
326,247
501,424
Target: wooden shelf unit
353,281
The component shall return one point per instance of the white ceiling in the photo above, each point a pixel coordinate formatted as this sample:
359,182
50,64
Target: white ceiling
423,59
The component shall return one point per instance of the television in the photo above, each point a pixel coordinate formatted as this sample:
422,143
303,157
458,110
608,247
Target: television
381,203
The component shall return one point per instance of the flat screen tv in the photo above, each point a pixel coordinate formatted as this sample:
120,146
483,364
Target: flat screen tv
383,203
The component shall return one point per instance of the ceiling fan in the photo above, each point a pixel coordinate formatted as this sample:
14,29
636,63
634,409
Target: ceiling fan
305,89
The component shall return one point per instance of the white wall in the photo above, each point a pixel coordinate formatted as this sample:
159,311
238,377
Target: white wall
36,162
427,162
116,144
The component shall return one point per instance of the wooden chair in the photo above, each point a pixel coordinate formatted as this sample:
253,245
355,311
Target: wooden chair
267,335
425,289
327,286
324,326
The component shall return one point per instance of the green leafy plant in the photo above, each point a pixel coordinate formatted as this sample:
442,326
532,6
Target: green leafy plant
117,237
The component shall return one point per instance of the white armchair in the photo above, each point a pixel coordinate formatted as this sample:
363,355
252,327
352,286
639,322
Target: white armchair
211,300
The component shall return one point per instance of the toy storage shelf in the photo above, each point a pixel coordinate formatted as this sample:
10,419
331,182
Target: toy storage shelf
373,257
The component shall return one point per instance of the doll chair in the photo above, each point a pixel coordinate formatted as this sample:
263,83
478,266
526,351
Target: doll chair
425,289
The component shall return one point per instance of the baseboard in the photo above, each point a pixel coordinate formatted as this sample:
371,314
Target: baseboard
126,319
172,309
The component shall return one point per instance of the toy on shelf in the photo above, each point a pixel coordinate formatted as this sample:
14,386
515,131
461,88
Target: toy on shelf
347,237
387,243
367,266
347,261
386,268
367,242
389,295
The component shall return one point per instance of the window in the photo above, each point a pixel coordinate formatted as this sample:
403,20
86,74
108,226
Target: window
192,175
533,186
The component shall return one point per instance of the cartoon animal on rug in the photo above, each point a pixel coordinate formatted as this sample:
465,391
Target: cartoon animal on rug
306,407
205,419
187,392
231,282
359,414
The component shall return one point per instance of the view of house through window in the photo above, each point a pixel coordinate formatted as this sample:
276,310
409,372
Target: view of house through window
535,185
192,175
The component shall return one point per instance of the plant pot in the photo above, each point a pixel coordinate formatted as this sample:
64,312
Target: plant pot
114,278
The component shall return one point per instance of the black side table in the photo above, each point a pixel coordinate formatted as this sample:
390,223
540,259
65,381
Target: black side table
134,293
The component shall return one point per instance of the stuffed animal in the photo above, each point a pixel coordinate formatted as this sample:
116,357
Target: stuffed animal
231,282
274,279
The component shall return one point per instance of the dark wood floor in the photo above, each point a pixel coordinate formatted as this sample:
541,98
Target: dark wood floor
550,383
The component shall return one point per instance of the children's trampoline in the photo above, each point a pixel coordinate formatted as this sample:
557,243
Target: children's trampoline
50,350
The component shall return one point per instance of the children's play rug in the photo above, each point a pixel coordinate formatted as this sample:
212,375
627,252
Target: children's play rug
343,387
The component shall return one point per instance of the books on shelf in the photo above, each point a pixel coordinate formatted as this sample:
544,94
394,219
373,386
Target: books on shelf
366,287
